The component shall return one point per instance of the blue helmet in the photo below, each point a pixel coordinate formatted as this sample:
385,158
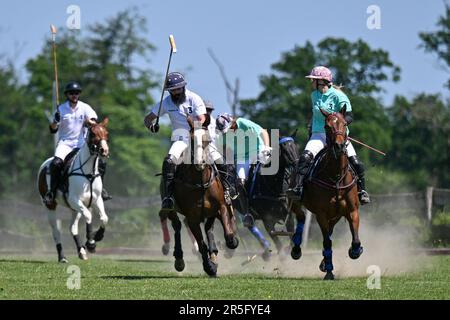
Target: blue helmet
175,80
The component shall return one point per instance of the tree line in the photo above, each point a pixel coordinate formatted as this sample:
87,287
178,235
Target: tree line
414,131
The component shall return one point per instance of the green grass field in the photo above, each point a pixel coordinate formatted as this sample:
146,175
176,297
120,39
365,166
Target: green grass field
104,277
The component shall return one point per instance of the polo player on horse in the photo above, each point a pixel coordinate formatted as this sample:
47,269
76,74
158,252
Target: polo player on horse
183,106
331,99
69,121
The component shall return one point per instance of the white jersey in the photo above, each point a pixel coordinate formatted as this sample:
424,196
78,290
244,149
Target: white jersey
193,106
212,129
71,131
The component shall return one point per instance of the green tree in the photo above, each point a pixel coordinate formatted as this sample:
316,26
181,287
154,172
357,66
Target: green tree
104,61
16,124
420,144
285,98
439,41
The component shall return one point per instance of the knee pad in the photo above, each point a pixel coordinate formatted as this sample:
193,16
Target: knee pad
169,165
357,165
304,162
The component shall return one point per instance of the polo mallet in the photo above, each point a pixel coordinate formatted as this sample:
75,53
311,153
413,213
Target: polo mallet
55,65
173,49
367,146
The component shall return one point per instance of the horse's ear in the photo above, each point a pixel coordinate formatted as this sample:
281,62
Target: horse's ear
105,122
344,109
294,134
325,114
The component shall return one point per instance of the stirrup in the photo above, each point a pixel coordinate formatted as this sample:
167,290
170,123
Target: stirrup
168,204
294,193
364,197
49,198
105,195
227,196
248,220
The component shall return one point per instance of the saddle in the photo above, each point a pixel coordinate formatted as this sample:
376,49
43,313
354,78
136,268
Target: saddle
312,171
271,187
63,185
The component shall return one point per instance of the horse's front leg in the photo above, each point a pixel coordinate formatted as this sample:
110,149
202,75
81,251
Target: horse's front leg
178,251
353,220
208,265
56,235
209,230
165,230
191,236
226,219
99,207
74,231
297,238
327,262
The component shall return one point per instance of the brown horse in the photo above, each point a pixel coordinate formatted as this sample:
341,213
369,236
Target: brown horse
330,192
199,196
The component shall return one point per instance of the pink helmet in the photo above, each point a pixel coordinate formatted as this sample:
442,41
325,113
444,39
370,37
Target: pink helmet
321,72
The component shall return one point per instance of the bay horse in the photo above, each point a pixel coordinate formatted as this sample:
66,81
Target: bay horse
81,191
267,197
330,192
199,196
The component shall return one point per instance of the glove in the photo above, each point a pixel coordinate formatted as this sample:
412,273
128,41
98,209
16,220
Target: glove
57,117
154,128
265,155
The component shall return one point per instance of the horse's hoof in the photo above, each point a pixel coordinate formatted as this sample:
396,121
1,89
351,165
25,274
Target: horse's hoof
213,258
90,246
179,264
266,254
165,248
63,260
322,266
232,242
210,268
99,234
355,253
329,276
82,254
296,252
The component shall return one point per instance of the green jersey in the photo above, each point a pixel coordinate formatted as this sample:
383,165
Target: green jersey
331,101
246,139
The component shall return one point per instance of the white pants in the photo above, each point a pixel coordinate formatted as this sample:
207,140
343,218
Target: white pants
242,168
63,149
318,141
178,147
212,153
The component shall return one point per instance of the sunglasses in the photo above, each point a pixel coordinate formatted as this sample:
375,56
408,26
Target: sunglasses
73,93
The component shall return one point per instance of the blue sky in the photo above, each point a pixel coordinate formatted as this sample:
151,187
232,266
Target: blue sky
247,36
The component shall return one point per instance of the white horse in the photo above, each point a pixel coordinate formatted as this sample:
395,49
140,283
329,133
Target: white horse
84,191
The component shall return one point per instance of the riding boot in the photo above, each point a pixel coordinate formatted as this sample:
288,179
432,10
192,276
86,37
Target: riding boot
295,191
248,220
168,176
102,169
224,173
358,166
55,179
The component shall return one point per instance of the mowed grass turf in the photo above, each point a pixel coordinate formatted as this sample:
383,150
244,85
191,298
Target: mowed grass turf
108,278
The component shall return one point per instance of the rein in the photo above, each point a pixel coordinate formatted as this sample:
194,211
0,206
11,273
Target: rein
90,177
335,184
205,185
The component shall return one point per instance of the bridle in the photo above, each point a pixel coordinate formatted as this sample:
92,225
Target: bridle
95,150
